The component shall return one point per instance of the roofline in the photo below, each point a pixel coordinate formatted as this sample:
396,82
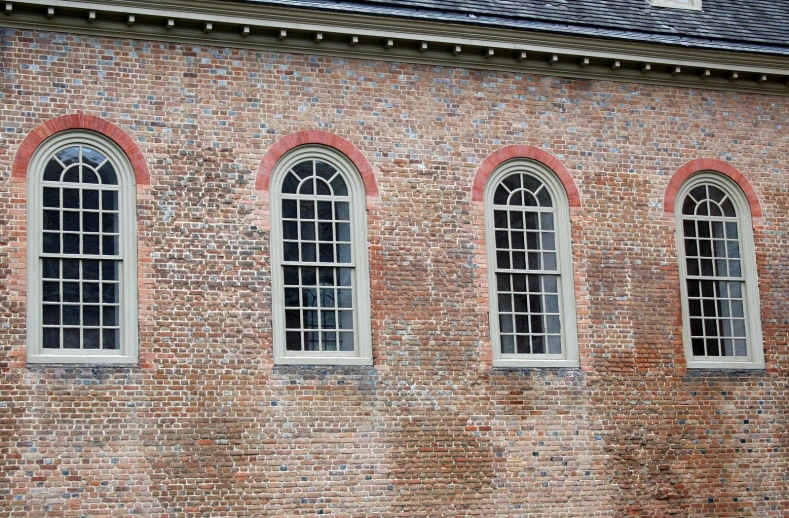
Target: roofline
364,36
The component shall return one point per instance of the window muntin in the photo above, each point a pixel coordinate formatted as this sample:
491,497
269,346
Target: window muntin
319,267
533,311
720,300
82,272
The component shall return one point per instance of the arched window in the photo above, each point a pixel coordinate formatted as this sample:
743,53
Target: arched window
320,279
532,304
717,264
82,272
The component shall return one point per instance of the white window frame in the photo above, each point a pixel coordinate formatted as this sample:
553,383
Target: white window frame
569,328
692,5
128,352
362,354
755,358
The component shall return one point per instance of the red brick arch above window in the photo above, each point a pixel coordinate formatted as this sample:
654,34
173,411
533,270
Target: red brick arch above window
522,151
710,164
83,122
323,138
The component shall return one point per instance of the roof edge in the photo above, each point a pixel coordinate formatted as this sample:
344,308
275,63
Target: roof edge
287,29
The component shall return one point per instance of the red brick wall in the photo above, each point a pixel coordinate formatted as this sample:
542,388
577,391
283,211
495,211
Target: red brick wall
208,426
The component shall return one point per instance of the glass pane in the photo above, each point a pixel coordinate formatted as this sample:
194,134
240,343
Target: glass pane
51,339
327,253
344,298
291,297
345,319
322,188
110,293
325,210
71,221
71,291
109,270
51,315
91,339
293,319
71,315
51,243
107,174
109,223
51,220
91,316
507,344
51,197
110,315
51,291
71,269
307,209
518,261
346,341
328,320
343,232
505,323
544,198
291,274
72,175
307,186
310,319
90,292
90,221
344,277
71,338
90,244
111,339
303,169
109,200
343,211
521,302
505,303
289,209
308,252
52,171
325,231
500,219
327,297
293,341
329,341
71,198
554,345
338,184
309,276
90,199
500,196
309,297
291,184
50,269
109,245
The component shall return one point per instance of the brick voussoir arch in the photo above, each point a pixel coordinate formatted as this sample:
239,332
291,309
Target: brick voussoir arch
323,138
84,122
718,166
523,151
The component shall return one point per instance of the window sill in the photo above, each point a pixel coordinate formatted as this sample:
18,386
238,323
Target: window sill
721,365
528,364
84,359
323,360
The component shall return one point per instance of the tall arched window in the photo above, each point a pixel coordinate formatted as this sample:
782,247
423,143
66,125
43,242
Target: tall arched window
82,272
320,279
532,305
720,297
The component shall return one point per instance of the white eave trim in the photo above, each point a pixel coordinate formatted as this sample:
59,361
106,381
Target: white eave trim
288,29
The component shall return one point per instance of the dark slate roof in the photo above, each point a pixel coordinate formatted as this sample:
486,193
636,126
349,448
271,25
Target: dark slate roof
743,25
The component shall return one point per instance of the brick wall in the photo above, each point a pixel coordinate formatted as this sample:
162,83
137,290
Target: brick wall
208,426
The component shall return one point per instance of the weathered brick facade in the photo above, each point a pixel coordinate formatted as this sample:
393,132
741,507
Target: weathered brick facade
207,425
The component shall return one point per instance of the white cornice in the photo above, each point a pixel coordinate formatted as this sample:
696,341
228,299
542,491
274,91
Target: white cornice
255,26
